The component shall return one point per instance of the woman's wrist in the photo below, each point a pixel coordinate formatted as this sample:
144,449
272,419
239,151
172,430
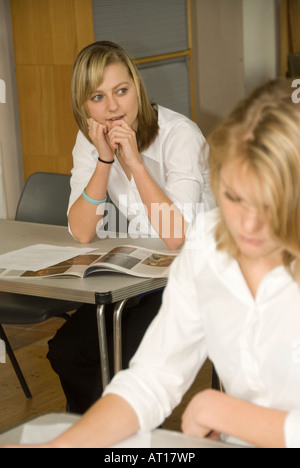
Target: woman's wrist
138,169
105,161
103,168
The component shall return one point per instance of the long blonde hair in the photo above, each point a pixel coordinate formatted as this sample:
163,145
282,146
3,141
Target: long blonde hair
87,75
263,131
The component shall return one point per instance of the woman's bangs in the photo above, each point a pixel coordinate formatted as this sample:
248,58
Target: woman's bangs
94,75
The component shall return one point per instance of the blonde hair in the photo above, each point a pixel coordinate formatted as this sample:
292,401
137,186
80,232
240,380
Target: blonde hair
263,131
87,75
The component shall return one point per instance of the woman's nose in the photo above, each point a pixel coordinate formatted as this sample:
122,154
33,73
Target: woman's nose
252,221
112,103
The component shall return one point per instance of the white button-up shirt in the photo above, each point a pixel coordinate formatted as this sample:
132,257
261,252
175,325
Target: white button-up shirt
209,311
177,161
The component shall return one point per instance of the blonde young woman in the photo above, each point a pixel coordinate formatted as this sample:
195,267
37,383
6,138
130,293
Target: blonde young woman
153,164
233,296
129,147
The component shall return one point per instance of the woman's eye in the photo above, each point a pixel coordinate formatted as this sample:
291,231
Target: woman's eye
97,98
231,197
122,91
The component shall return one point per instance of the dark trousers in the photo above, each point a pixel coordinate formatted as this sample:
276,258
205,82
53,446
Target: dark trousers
74,351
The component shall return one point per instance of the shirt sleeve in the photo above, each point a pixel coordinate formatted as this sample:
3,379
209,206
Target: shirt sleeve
292,430
84,163
187,171
171,353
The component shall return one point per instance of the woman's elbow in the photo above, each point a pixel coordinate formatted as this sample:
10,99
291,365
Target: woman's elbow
81,236
174,243
84,239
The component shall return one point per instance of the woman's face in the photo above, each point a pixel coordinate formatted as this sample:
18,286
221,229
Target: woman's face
115,99
249,226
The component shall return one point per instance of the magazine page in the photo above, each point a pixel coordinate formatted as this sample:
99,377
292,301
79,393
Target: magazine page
43,260
75,266
134,261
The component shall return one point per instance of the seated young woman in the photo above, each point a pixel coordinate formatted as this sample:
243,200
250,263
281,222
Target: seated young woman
152,162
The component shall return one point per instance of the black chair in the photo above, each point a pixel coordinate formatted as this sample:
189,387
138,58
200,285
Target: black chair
44,199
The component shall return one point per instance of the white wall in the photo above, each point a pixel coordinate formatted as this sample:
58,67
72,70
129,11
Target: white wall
218,59
236,47
10,145
261,41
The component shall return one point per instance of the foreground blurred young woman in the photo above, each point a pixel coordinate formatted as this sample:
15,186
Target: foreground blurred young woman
233,296
152,162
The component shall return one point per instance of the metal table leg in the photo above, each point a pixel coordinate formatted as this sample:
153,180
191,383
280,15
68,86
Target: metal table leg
118,310
103,345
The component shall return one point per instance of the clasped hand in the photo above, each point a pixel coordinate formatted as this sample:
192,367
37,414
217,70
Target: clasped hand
119,139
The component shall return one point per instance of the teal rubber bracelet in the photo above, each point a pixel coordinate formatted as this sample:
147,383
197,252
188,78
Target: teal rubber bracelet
90,200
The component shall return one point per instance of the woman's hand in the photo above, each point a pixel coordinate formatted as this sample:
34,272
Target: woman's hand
99,136
123,136
194,417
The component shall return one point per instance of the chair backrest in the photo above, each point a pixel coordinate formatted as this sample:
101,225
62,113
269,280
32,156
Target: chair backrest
45,199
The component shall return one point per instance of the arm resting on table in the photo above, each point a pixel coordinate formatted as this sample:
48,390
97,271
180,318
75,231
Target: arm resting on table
108,421
213,410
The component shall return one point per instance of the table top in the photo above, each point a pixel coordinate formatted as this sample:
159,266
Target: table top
46,427
104,288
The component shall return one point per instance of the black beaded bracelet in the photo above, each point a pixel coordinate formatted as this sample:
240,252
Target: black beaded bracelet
106,162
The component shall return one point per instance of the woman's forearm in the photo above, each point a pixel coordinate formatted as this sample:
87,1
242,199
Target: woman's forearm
212,410
83,215
165,218
109,420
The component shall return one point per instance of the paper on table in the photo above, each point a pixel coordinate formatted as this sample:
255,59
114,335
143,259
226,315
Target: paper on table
36,257
39,434
142,440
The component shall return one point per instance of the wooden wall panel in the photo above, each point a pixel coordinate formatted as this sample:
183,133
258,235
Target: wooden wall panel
294,20
284,36
290,31
31,26
48,34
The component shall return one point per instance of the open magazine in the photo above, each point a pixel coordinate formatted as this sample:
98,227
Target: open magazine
135,261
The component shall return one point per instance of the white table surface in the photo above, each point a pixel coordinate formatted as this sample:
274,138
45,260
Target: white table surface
112,287
46,427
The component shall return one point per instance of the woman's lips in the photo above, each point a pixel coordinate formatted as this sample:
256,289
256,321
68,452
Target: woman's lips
250,241
114,119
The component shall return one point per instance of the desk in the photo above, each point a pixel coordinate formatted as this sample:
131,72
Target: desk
47,427
102,289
